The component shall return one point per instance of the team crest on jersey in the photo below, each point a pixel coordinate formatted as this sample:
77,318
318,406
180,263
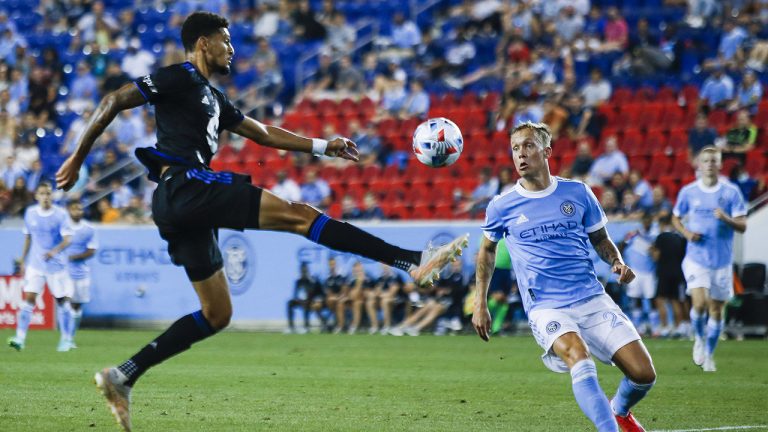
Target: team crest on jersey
567,208
239,263
552,327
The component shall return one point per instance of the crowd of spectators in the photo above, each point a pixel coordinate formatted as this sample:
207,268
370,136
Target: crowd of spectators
557,62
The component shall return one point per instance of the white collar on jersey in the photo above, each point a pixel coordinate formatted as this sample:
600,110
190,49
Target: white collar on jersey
709,189
44,213
537,194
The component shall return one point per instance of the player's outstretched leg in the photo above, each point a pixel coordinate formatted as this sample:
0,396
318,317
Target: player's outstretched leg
276,214
111,382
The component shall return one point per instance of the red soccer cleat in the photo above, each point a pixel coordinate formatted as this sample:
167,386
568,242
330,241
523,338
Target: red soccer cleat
629,423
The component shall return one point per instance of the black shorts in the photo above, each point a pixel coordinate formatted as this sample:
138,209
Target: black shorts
671,287
501,281
191,204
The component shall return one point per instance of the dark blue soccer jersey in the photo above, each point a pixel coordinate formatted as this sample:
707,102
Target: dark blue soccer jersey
190,113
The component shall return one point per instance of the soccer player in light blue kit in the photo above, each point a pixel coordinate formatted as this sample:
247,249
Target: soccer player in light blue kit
82,247
715,209
548,223
45,236
636,249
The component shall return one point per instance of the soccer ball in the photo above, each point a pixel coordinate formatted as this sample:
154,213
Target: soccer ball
437,142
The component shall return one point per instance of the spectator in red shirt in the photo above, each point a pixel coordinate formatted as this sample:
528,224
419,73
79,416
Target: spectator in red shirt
616,33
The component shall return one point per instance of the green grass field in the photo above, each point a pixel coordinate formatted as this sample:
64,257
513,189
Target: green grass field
255,381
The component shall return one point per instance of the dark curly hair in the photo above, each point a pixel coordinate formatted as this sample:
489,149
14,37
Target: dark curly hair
200,24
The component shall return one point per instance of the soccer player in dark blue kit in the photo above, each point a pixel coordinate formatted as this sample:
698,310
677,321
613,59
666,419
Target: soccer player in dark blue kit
192,202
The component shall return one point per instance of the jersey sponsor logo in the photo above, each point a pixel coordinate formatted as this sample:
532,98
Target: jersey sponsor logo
552,327
567,208
205,100
239,263
148,81
521,220
548,231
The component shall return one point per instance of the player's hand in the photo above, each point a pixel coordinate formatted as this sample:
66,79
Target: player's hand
693,236
481,321
720,214
626,275
47,256
343,148
68,173
20,264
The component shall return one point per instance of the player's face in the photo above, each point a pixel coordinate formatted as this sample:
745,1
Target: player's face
75,212
709,163
219,51
44,197
529,156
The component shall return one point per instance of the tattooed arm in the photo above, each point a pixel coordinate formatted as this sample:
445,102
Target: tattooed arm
608,252
486,261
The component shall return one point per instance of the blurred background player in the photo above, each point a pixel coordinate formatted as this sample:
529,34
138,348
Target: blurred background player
82,247
309,297
500,288
45,235
715,209
636,249
668,252
333,287
547,222
383,298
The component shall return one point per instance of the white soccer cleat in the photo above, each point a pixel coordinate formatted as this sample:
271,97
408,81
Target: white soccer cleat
64,346
709,364
433,259
396,331
698,351
118,395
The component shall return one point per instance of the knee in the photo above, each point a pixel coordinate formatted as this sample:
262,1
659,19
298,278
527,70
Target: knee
646,375
302,215
218,318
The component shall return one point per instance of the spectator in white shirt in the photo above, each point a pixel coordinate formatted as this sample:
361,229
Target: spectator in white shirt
597,90
607,164
286,188
137,61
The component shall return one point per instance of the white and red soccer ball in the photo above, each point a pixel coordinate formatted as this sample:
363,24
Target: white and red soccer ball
437,142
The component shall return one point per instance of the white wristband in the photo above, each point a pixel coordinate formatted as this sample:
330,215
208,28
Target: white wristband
319,146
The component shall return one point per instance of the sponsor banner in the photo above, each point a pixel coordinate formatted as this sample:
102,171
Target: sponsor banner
43,317
133,277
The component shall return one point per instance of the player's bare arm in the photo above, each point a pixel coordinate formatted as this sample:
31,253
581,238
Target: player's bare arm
65,242
738,223
689,235
83,256
275,137
608,252
486,261
126,97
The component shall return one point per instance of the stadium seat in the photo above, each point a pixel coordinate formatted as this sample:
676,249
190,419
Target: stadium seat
753,277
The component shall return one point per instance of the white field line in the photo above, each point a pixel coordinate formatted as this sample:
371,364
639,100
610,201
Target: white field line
722,428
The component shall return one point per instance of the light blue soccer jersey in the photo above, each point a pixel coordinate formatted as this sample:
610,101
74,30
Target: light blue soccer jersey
46,228
547,237
698,202
83,238
637,252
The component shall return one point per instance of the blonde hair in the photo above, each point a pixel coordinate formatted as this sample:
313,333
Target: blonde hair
541,132
711,149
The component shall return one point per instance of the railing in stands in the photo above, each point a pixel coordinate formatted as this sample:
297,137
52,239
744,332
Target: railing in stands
301,63
757,203
136,172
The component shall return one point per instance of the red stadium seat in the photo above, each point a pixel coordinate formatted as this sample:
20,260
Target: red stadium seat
660,165
756,163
